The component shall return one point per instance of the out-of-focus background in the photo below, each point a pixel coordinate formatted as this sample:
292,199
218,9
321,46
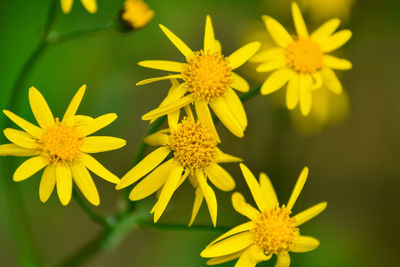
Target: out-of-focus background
352,147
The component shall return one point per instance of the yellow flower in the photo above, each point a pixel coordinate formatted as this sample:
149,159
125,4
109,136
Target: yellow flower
302,62
62,147
328,109
271,229
136,14
90,5
195,156
208,80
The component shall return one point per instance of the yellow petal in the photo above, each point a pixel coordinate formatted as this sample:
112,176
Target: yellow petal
163,65
336,40
144,167
229,245
151,80
198,199
47,182
73,106
283,261
17,151
64,183
80,120
305,83
217,46
293,92
85,183
209,39
236,106
276,81
226,116
157,139
270,54
90,5
254,187
221,157
331,81
185,50
96,144
309,213
96,124
40,108
337,63
66,5
325,30
236,230
97,168
242,207
318,80
220,177
25,125
268,190
252,256
171,107
204,116
297,188
305,244
271,65
239,83
226,258
277,32
20,138
209,195
173,119
240,56
29,168
168,189
299,23
152,182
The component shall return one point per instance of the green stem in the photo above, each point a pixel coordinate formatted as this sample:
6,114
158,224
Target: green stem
181,227
56,38
97,217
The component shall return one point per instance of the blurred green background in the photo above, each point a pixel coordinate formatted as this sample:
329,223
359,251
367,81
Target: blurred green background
354,166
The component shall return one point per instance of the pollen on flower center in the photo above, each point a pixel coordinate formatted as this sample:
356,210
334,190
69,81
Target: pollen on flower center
207,75
193,145
60,143
275,231
304,55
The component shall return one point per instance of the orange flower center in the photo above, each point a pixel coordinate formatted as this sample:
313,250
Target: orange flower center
60,143
304,55
207,75
193,145
275,231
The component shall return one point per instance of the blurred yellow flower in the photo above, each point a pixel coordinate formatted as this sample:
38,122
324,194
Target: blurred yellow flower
303,62
323,9
62,147
271,229
195,156
208,80
328,109
136,14
90,5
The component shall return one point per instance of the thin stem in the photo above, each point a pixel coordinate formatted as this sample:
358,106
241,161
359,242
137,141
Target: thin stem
56,38
97,217
181,227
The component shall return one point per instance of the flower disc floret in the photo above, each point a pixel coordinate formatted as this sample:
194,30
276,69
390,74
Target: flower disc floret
304,55
207,75
275,231
193,145
60,143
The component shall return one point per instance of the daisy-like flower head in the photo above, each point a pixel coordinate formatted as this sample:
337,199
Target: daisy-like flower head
62,147
272,230
208,79
195,156
136,14
90,5
302,62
